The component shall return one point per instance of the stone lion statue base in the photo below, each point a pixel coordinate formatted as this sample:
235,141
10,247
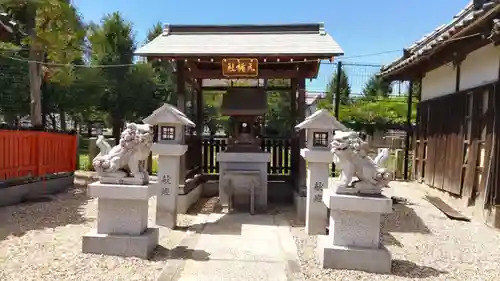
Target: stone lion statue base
359,173
125,163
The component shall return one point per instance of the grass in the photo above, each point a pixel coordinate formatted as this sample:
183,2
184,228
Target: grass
154,167
85,161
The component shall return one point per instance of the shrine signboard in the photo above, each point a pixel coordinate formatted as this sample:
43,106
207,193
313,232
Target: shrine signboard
240,67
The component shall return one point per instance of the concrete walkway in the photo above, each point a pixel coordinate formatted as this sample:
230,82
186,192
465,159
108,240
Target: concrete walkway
238,247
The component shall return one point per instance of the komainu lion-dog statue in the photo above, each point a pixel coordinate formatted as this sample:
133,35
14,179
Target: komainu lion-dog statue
360,173
129,157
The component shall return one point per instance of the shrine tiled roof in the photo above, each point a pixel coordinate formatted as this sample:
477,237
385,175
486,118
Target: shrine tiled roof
441,36
260,40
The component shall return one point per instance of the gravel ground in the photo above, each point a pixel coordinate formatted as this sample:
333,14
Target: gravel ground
424,243
42,241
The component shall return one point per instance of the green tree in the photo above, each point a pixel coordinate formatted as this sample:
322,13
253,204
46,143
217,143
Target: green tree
113,43
331,89
85,92
377,112
14,86
163,69
147,89
376,87
54,31
278,117
212,119
417,90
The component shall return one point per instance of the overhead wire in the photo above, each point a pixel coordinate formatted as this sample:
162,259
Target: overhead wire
53,64
89,49
352,81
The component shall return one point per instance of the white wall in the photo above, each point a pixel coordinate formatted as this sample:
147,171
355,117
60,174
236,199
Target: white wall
480,67
439,82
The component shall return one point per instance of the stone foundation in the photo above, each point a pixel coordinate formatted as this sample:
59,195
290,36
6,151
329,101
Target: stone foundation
240,173
11,195
354,258
122,219
140,246
353,241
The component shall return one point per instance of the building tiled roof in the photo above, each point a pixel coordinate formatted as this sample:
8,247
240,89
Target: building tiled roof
207,40
441,35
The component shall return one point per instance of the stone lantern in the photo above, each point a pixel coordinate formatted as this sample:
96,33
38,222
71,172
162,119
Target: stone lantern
319,132
170,147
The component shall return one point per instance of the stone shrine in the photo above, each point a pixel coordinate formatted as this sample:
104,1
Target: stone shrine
243,166
356,204
319,132
170,147
122,197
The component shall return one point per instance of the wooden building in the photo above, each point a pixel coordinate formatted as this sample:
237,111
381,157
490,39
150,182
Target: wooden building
209,57
456,138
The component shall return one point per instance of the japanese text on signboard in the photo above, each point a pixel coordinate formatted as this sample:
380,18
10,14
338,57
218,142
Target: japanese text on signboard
243,67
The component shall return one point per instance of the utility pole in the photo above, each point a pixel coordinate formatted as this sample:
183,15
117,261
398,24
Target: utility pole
337,90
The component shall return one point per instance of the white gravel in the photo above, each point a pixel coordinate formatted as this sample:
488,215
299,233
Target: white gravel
424,243
42,241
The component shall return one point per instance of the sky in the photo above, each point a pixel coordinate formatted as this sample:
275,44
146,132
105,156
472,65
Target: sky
362,28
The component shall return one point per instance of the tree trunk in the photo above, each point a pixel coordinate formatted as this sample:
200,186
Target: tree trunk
117,128
45,103
35,69
35,90
53,121
62,119
89,129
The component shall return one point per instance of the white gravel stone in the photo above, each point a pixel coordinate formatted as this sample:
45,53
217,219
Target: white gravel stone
424,243
42,241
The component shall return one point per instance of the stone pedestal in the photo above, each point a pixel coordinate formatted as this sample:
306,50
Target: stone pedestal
122,221
354,235
245,171
318,171
167,186
240,188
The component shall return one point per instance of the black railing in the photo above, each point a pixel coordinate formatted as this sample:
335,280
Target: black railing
279,147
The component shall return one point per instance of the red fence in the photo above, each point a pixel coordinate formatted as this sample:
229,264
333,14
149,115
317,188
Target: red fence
34,153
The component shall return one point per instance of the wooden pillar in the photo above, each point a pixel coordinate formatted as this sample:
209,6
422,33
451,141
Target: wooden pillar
419,136
199,107
409,130
181,105
295,153
263,120
199,121
495,182
301,115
